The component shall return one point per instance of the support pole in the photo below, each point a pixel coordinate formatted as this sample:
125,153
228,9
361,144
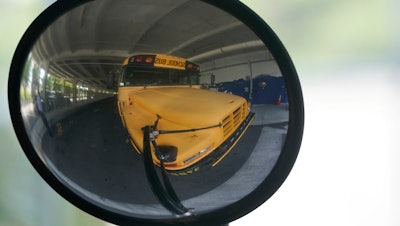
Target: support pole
251,81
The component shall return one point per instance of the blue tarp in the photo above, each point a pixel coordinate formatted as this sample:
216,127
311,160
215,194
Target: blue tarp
267,89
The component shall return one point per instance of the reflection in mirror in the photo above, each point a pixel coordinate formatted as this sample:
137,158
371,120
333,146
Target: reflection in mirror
181,82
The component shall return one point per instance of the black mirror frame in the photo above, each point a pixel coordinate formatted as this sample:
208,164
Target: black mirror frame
221,216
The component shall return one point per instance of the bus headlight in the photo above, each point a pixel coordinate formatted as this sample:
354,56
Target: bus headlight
191,158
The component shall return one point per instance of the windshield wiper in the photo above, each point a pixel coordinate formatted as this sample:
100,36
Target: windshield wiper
152,84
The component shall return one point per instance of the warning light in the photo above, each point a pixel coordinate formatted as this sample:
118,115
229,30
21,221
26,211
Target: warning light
139,59
149,60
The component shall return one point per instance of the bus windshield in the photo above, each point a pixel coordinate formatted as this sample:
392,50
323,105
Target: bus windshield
139,76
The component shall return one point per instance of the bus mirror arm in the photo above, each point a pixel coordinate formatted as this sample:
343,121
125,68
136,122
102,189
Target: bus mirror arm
188,130
157,132
156,122
163,191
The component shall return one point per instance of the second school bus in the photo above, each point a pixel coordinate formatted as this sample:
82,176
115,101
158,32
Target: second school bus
200,126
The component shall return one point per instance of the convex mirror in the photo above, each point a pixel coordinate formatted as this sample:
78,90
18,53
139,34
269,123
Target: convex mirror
159,111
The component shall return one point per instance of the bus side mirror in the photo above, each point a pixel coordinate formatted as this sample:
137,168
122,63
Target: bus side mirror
124,151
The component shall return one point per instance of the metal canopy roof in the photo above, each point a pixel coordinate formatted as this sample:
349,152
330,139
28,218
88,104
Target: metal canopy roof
89,43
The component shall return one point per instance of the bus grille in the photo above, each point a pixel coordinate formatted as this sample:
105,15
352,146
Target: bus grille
233,120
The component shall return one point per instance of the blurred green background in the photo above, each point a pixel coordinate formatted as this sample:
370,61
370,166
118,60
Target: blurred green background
25,199
347,54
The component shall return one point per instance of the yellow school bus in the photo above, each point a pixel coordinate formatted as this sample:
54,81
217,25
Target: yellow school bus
191,127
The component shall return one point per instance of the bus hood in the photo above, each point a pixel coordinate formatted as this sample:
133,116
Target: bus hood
191,107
